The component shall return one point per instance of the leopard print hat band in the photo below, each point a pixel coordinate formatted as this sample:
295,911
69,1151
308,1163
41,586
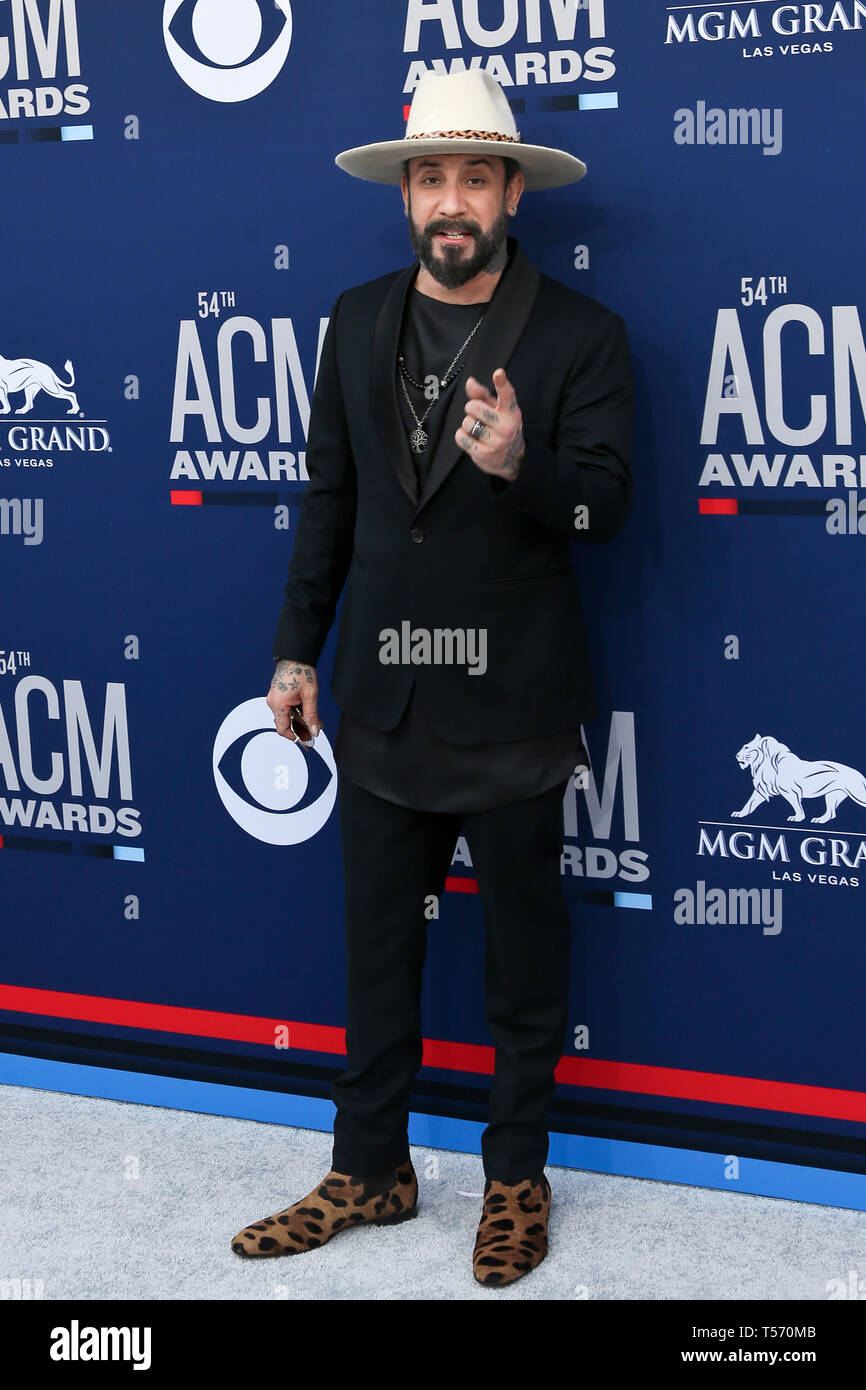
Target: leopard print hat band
463,135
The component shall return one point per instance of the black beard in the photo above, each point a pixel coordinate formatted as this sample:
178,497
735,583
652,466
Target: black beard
452,269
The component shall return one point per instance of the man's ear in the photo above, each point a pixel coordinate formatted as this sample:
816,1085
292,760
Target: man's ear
514,190
404,188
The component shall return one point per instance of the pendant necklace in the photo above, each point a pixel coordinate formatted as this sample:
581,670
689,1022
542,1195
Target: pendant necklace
418,438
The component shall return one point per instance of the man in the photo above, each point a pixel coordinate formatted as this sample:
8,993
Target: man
471,418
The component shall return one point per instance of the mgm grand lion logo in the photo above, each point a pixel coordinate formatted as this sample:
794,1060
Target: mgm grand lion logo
27,375
776,771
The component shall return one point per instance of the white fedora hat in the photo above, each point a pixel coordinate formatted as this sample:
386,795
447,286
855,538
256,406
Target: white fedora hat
461,113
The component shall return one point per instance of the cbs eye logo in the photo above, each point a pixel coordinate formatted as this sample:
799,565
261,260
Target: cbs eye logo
244,44
290,791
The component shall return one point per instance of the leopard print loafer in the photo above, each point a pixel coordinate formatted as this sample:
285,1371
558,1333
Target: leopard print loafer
338,1203
512,1232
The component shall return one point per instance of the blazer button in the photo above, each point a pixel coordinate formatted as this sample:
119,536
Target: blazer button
417,535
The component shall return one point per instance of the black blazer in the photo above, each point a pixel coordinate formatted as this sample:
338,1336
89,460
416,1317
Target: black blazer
472,551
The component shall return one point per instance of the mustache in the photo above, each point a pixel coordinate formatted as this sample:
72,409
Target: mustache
464,228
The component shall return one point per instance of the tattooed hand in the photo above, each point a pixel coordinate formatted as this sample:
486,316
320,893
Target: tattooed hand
500,448
293,683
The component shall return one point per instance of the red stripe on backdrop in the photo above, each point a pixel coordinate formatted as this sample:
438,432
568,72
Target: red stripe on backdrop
718,506
186,497
461,885
169,1018
717,1088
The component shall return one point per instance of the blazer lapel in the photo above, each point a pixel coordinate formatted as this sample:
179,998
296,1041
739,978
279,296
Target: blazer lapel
383,385
491,347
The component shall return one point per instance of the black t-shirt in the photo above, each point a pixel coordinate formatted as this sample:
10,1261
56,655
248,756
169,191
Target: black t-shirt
433,333
411,764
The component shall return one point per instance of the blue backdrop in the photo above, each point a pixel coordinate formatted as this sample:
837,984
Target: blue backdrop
175,234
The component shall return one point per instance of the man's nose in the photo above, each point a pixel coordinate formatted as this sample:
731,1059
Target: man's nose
452,201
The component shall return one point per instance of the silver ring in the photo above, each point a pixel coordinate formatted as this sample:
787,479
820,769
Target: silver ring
477,429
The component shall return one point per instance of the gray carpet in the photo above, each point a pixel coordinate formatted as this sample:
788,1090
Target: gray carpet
109,1199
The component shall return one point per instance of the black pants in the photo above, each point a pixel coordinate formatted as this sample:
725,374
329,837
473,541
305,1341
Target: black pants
393,859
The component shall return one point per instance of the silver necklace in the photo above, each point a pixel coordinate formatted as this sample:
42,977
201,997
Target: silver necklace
419,437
